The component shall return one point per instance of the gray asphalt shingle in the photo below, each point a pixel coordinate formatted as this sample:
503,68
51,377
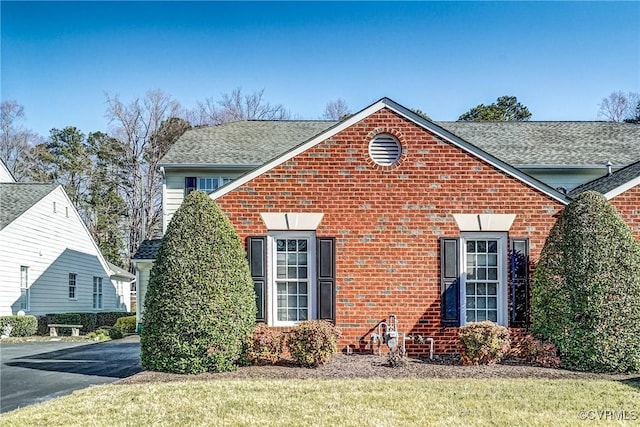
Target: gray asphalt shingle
17,198
609,182
148,249
249,143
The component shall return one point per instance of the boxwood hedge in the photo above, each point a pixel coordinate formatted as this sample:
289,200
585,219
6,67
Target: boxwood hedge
586,291
200,304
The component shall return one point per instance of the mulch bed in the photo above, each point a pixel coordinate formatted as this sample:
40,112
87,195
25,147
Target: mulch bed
372,366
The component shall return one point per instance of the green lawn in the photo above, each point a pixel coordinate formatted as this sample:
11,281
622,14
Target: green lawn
409,402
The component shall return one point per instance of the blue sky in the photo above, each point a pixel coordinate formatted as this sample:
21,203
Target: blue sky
560,59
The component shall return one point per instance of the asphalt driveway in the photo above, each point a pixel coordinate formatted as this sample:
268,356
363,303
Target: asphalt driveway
33,372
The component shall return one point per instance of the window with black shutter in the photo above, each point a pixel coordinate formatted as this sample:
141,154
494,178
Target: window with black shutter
449,282
519,278
257,254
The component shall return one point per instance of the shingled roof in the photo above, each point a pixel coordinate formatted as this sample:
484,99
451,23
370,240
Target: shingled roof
582,144
148,249
17,198
247,143
608,183
586,144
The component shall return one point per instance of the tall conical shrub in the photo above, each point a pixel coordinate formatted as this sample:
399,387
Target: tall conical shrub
200,304
586,289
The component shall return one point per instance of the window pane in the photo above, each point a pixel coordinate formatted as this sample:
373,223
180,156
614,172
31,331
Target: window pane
482,303
492,289
281,259
482,246
282,288
292,273
292,301
302,272
292,288
292,259
482,273
282,272
493,315
302,301
302,259
492,274
302,313
282,315
482,288
471,316
492,260
303,288
492,246
293,314
471,246
291,245
492,302
481,315
281,245
471,302
471,273
282,300
302,245
471,289
482,260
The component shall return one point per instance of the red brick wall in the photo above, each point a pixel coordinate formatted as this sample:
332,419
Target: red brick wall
628,204
387,221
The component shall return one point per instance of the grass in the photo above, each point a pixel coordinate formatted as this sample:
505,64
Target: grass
370,402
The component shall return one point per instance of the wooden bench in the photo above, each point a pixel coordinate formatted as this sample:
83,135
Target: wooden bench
53,329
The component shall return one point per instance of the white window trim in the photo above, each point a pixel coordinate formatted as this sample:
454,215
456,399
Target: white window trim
98,294
503,313
26,288
271,290
75,298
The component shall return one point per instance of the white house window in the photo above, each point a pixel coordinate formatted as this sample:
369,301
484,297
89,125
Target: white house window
206,184
484,282
24,287
97,292
73,286
385,149
293,278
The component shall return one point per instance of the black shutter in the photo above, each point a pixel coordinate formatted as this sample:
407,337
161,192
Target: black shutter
450,282
326,267
519,275
257,254
190,184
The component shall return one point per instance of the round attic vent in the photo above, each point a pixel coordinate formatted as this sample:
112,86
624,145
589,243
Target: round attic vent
385,149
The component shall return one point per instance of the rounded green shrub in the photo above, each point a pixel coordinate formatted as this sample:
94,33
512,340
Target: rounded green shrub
126,325
265,346
483,343
200,304
21,326
312,343
586,288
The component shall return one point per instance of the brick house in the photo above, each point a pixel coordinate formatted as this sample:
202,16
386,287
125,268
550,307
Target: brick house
386,213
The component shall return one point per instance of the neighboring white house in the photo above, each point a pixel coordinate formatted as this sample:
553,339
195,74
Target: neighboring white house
5,174
49,263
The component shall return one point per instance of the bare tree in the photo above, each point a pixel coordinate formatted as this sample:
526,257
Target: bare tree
137,125
237,106
336,110
618,106
16,142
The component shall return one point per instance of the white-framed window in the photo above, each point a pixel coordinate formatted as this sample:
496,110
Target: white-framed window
484,279
73,286
24,288
97,292
292,286
206,184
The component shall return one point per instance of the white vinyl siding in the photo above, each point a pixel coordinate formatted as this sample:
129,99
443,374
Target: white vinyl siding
52,245
174,186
